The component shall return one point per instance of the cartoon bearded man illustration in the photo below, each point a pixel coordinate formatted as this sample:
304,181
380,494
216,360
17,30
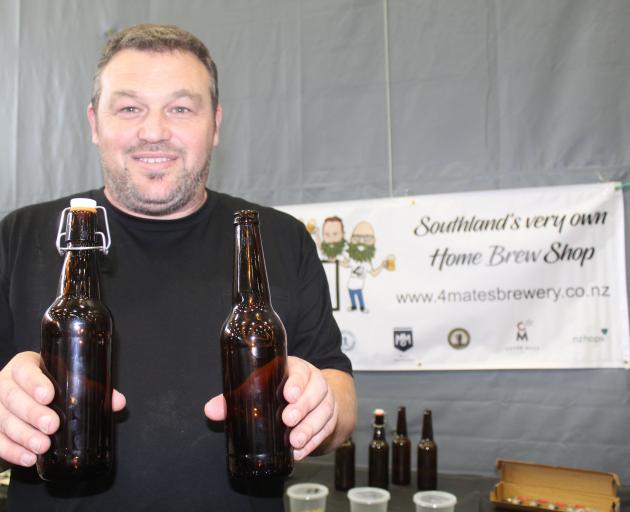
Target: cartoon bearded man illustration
361,251
333,234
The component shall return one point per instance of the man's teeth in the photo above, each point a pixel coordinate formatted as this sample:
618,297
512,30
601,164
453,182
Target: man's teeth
154,160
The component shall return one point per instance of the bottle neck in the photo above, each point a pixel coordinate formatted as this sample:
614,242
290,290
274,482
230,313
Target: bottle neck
379,433
250,275
401,424
427,426
379,428
79,275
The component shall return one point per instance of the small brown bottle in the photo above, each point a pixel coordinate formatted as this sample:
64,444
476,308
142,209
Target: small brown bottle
427,455
76,357
344,466
378,460
254,357
401,451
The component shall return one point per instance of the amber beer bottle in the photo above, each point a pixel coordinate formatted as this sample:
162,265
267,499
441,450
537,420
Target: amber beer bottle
427,455
401,451
344,465
76,356
378,460
254,357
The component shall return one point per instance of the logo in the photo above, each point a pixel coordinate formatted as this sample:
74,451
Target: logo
458,338
403,338
348,341
521,331
605,331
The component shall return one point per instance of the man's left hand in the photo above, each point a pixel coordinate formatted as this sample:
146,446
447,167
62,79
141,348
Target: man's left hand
312,411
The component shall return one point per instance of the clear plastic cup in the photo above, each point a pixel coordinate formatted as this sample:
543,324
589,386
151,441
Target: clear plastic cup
307,497
434,501
368,499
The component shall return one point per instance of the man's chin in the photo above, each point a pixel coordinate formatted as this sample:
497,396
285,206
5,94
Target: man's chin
153,201
159,204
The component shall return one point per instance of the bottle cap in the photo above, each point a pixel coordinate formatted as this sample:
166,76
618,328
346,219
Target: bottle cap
82,203
379,418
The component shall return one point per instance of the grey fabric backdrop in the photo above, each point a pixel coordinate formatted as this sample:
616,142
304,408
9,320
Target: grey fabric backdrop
330,100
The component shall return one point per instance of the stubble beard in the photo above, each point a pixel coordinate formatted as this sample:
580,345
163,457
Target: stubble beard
120,185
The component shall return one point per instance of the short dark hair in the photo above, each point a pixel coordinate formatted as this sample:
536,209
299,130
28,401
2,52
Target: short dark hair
156,38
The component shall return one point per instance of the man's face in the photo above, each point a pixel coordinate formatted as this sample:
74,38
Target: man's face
155,128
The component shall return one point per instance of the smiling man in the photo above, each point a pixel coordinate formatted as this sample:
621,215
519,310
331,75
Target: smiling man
155,118
155,122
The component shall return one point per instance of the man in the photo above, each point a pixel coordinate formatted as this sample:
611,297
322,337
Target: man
155,117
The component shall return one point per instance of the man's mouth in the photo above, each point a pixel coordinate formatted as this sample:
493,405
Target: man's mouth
154,160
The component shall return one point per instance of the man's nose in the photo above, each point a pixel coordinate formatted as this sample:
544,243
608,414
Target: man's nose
154,128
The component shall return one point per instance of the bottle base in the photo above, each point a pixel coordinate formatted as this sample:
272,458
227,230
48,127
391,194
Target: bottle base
259,467
55,468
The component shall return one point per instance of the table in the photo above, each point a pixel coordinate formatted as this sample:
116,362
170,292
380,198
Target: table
472,491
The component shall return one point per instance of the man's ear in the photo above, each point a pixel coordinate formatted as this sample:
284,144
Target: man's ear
218,117
91,115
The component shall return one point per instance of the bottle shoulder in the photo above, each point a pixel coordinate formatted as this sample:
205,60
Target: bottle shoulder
379,444
261,308
427,444
400,440
253,322
69,306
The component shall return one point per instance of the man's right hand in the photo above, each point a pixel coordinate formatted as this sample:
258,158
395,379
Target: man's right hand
25,420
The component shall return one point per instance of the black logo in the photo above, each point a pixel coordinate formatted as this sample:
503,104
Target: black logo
403,338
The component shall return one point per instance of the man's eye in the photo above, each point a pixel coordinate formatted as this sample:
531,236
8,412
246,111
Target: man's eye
181,110
129,110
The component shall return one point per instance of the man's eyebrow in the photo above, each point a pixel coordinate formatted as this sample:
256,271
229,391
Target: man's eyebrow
180,93
125,92
187,93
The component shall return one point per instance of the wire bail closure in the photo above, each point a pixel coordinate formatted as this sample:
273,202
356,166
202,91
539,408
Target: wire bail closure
106,239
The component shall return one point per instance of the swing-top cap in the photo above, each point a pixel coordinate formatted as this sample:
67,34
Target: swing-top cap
82,203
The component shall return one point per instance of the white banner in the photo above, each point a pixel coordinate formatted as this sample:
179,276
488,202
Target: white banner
507,279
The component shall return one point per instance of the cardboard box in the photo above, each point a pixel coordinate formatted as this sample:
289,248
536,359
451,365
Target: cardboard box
593,490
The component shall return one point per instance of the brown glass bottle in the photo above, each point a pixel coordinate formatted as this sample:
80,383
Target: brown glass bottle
254,356
344,466
76,356
427,455
378,460
401,451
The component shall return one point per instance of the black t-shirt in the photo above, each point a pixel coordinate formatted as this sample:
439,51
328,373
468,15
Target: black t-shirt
169,287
